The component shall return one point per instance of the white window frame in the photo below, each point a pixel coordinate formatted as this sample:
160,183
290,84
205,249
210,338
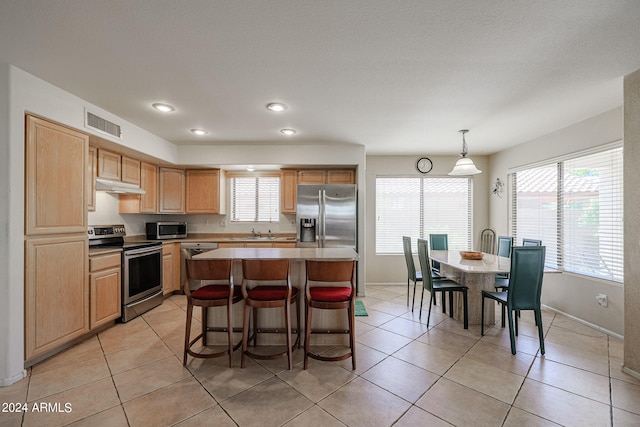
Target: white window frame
573,237
388,237
266,207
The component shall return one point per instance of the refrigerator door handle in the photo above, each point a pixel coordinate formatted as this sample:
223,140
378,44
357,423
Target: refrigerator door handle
321,219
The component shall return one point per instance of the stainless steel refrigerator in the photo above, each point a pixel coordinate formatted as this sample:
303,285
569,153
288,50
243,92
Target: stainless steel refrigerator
326,216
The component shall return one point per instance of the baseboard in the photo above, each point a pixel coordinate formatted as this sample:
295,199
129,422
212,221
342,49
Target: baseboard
12,380
584,322
631,372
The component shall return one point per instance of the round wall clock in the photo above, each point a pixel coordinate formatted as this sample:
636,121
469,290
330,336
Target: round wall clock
424,165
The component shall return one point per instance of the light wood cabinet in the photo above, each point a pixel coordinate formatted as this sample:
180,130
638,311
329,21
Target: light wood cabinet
109,165
311,176
203,191
56,292
92,172
104,289
327,176
130,170
55,187
142,203
341,176
171,190
288,188
170,268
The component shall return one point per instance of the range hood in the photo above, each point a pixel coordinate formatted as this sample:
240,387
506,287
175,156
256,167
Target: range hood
111,186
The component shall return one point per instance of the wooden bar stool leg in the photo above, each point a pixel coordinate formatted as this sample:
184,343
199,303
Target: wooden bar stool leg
245,333
230,331
287,321
187,333
205,311
307,339
352,336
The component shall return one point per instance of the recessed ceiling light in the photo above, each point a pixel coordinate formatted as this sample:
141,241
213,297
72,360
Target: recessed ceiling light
250,168
289,132
199,132
277,107
165,108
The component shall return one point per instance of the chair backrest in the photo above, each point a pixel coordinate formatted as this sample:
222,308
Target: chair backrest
504,246
525,282
423,259
531,242
487,240
408,257
439,242
265,269
330,271
207,269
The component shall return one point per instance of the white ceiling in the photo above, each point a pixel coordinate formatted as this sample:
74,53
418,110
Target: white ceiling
400,77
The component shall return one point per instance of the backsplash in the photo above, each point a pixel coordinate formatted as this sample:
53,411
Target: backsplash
107,213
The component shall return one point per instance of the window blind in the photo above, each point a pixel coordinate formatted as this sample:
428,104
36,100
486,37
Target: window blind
417,207
592,240
575,207
255,198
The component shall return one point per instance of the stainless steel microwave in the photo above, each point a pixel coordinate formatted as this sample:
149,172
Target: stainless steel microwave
166,230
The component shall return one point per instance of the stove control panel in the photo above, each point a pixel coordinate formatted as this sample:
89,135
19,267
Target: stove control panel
102,231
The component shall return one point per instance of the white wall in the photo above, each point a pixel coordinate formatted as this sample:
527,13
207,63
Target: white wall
631,223
390,269
568,293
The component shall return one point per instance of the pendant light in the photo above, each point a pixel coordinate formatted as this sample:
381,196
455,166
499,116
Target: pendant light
464,165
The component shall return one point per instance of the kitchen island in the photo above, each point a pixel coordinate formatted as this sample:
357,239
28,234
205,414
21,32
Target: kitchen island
273,317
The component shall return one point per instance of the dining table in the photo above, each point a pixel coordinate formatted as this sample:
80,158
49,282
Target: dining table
478,275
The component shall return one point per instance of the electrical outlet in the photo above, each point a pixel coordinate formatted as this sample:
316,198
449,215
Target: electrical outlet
602,299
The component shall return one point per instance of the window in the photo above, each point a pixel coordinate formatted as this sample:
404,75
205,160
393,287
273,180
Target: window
255,198
575,207
417,207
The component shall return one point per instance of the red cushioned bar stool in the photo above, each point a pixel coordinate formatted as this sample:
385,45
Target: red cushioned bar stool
266,283
330,285
221,293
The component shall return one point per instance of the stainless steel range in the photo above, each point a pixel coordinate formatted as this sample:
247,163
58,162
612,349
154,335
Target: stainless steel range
141,268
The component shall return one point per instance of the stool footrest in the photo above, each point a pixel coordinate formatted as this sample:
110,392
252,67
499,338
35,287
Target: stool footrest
329,358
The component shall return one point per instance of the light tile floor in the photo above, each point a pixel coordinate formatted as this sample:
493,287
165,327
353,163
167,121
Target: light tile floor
408,375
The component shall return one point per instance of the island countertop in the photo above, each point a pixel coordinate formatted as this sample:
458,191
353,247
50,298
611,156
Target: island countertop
275,253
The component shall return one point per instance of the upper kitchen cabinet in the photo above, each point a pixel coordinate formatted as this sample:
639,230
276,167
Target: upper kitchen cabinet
311,176
109,165
288,184
143,203
92,172
172,183
326,176
130,170
204,191
341,176
55,188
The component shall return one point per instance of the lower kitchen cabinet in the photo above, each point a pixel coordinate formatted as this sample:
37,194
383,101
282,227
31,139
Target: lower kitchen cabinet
56,293
170,268
105,289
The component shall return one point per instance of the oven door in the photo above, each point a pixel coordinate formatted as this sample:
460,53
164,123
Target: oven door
142,273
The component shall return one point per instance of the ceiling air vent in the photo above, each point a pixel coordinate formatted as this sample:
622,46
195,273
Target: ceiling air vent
102,125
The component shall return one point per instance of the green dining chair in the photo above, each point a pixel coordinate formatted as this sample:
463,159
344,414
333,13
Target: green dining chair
525,287
531,242
438,242
412,275
504,250
443,285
